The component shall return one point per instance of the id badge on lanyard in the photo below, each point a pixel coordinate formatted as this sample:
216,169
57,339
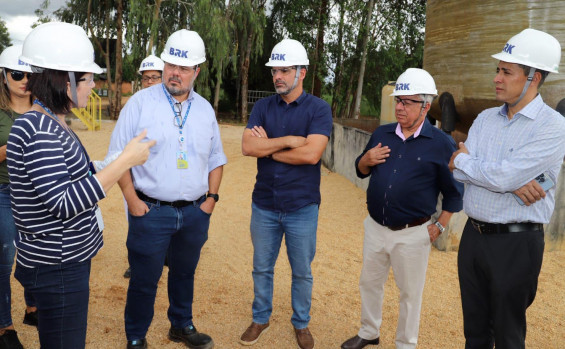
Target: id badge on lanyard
182,155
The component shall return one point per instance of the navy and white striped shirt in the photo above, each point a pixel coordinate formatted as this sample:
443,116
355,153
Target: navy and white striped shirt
53,194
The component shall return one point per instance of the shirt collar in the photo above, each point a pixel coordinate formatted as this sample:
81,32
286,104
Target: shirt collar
189,99
425,129
299,100
531,110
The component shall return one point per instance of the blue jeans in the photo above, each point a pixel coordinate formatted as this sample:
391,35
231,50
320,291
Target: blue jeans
61,292
8,233
179,232
267,230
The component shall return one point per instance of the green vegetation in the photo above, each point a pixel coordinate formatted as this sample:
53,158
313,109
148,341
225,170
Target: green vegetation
354,47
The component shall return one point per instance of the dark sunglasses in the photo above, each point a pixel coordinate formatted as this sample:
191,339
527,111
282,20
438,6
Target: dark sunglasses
19,75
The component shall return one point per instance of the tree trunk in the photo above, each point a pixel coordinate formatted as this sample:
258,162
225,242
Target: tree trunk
336,98
105,53
119,32
217,88
245,77
219,72
366,32
346,107
154,27
319,52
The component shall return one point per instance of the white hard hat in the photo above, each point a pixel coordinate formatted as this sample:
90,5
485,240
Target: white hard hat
184,48
151,63
10,58
288,53
532,48
415,81
60,46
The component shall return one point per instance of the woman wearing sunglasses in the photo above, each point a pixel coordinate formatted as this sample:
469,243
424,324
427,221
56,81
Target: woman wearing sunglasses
14,101
55,188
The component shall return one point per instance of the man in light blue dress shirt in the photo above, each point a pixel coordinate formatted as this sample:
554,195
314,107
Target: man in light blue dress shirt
170,198
512,152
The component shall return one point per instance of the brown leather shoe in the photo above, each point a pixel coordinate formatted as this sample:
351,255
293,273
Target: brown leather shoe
358,342
304,338
253,332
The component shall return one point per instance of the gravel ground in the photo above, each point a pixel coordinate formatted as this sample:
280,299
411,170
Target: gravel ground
224,287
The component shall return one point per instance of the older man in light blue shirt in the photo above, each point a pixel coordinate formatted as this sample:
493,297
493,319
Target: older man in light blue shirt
510,154
171,197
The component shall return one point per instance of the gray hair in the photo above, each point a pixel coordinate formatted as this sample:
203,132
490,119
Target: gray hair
427,98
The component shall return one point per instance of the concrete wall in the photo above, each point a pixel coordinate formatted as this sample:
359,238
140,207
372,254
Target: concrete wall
555,230
347,143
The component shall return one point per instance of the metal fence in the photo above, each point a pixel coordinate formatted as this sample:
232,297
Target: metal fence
254,95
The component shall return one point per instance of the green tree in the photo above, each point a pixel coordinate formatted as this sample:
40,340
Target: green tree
4,36
249,20
103,21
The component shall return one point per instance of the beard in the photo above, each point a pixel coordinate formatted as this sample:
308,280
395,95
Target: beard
283,90
177,91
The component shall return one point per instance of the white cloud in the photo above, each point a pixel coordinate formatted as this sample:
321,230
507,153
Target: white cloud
19,16
19,27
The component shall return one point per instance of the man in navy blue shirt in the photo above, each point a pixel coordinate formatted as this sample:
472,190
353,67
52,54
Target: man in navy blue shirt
408,165
287,133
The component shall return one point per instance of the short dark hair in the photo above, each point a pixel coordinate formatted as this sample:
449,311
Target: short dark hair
50,87
543,73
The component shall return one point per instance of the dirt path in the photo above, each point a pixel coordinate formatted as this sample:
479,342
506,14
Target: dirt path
224,287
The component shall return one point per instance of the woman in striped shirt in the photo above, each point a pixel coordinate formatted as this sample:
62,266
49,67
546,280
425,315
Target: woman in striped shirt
54,187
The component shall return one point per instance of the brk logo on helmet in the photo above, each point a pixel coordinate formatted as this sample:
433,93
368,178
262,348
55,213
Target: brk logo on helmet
508,48
179,53
402,87
278,56
148,64
20,62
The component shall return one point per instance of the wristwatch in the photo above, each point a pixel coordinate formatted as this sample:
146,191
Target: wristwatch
440,227
216,197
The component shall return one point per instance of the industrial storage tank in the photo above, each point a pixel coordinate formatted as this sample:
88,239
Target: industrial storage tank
461,36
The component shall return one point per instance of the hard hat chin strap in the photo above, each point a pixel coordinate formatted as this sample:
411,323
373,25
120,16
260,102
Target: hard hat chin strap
298,68
73,88
418,118
526,86
6,78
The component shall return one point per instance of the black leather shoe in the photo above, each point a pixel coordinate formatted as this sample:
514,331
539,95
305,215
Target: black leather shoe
191,337
10,340
137,344
31,318
358,342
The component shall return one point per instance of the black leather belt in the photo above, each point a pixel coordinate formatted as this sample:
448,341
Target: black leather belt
178,203
504,228
414,223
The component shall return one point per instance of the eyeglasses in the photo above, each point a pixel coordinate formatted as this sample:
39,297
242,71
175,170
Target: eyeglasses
407,102
284,71
19,75
88,80
177,107
153,78
182,69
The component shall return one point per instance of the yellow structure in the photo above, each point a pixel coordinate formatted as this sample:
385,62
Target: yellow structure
387,104
91,116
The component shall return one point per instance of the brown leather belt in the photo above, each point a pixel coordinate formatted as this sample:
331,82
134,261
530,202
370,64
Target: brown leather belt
414,223
178,203
504,228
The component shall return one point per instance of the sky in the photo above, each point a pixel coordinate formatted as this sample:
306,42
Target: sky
19,16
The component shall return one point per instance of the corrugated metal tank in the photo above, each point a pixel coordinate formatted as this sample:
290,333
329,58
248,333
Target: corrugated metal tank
461,36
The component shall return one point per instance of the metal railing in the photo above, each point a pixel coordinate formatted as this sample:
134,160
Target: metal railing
91,116
254,95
